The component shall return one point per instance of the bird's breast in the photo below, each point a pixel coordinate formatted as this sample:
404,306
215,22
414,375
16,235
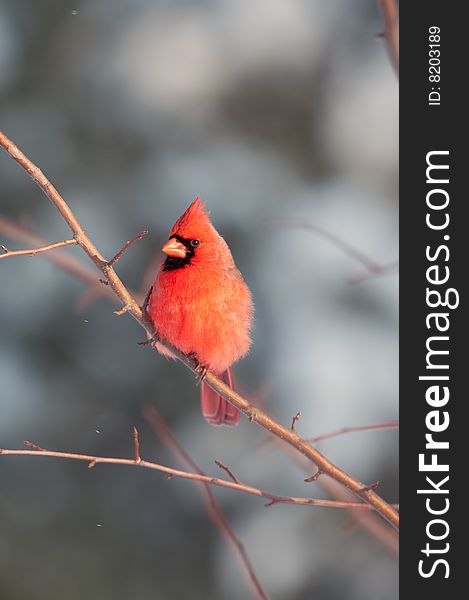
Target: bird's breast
208,313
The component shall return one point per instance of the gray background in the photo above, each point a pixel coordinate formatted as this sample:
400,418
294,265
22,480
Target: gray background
270,109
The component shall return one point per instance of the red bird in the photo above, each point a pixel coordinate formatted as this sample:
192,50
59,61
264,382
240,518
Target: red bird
201,305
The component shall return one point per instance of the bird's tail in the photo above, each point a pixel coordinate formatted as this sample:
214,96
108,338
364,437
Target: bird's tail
215,409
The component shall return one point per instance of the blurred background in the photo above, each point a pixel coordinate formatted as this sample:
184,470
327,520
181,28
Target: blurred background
275,111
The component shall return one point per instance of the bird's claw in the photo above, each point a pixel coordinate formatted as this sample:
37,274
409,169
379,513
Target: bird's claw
150,341
201,371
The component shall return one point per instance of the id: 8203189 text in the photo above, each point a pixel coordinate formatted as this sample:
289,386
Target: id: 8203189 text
434,66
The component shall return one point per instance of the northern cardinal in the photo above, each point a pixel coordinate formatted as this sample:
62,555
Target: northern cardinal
201,305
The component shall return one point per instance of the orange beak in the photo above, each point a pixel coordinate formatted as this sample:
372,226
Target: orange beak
174,248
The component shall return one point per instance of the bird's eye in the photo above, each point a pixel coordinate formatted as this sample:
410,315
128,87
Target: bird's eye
194,243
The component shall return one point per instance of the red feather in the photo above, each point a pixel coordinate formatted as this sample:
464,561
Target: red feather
216,409
201,305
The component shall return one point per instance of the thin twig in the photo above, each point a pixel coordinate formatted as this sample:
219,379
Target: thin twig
65,261
122,310
390,13
372,486
33,446
345,430
372,267
32,252
137,446
368,520
314,477
386,269
295,420
227,471
116,258
240,487
254,414
164,433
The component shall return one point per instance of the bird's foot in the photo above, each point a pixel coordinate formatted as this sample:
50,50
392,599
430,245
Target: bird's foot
201,371
150,341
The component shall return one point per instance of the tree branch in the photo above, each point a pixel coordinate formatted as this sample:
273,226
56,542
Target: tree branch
368,520
390,13
9,253
218,518
133,308
92,461
65,261
76,268
344,430
372,268
116,258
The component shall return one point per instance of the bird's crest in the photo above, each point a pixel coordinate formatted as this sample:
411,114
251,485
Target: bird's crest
195,218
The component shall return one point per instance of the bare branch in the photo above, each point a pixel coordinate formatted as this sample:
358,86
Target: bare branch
344,430
126,246
137,446
372,268
33,446
368,520
254,414
314,477
372,486
240,487
68,263
78,232
122,310
164,433
9,253
385,269
227,471
295,420
390,13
